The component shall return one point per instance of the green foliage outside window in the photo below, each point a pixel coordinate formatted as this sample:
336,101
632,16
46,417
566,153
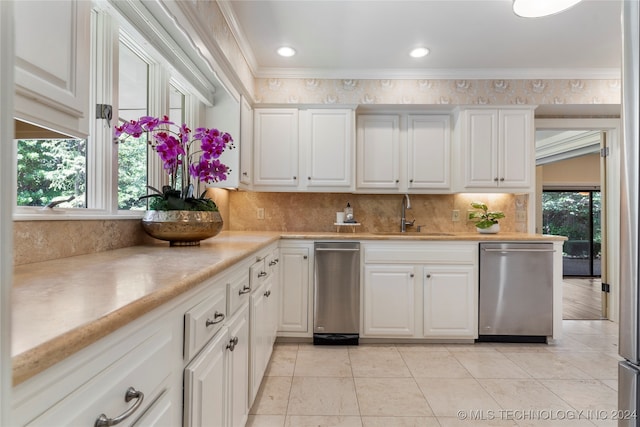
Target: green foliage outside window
51,168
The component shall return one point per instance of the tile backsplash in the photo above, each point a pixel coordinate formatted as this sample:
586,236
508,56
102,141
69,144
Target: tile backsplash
36,241
376,212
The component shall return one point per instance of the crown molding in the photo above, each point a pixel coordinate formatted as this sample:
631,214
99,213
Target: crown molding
443,74
245,48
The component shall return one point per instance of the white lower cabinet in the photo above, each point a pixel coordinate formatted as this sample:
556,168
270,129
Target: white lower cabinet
389,300
264,324
420,290
295,308
127,377
450,301
216,381
205,384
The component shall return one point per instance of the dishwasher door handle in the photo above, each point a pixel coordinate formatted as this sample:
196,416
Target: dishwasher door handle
337,250
517,250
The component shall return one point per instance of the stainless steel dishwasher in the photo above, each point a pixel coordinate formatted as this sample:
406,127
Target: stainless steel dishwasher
516,291
336,307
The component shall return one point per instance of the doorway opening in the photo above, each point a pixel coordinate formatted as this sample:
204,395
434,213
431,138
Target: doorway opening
577,215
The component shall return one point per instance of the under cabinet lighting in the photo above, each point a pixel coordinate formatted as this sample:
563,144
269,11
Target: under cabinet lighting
539,8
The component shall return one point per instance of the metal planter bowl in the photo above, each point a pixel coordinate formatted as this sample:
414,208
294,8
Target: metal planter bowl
182,228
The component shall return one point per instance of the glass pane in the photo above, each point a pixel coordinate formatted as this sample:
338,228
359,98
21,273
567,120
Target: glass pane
569,213
132,154
597,233
51,170
176,115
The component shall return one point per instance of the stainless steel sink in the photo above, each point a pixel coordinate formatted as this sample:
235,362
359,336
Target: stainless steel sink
411,233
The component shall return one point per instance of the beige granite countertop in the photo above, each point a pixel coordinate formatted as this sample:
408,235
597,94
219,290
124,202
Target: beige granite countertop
64,305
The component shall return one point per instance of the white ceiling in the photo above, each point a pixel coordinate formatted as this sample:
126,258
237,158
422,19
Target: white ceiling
467,38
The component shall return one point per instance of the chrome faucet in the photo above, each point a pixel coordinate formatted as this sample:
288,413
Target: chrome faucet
406,204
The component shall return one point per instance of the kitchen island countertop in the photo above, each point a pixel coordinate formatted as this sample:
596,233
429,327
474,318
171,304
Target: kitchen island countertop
61,306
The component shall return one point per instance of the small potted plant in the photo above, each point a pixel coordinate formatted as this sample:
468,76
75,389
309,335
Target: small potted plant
486,222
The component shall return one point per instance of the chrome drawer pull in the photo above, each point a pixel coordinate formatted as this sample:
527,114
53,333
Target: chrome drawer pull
262,274
272,263
217,318
245,290
132,393
267,294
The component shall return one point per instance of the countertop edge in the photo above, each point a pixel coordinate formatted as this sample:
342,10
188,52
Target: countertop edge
37,359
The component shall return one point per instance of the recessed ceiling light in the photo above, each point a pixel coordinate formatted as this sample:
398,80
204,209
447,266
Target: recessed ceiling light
286,51
419,52
539,8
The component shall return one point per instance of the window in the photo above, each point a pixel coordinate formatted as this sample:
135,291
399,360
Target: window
575,214
132,154
107,179
51,170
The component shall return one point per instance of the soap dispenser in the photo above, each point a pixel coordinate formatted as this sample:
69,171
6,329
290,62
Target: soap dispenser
348,213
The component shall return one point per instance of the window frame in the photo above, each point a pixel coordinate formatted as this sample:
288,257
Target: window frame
108,28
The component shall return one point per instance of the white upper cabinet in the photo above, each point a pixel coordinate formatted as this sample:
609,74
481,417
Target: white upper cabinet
497,147
429,152
276,147
327,136
52,62
404,153
378,151
303,150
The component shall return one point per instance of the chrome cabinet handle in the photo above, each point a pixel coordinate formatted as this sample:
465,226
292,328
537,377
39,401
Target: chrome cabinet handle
245,290
272,263
217,318
262,274
267,294
233,342
132,393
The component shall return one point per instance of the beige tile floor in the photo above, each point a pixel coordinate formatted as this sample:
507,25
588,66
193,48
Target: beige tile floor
572,382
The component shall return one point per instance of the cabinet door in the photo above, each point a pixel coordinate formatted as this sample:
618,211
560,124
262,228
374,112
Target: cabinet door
258,336
205,385
429,148
516,146
389,300
239,368
52,56
450,302
276,147
378,152
481,148
328,136
246,142
294,298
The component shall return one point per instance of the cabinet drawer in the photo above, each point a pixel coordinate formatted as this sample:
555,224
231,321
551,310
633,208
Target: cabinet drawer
203,321
105,392
454,253
238,291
